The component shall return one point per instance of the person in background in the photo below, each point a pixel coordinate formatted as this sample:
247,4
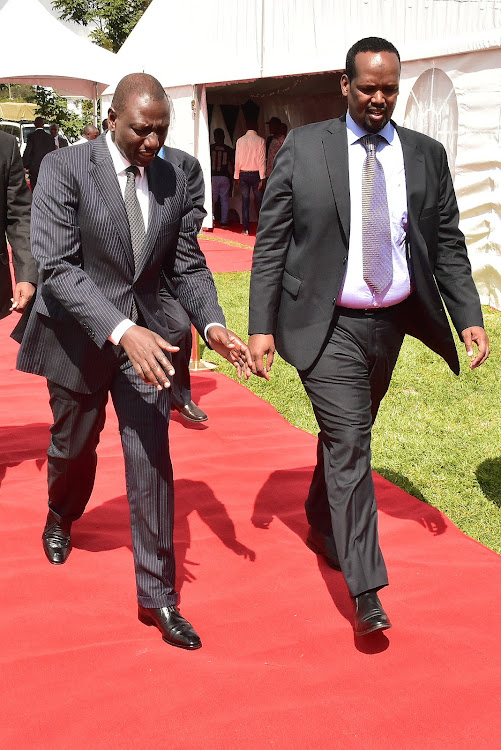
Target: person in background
221,157
250,170
89,133
178,322
59,141
277,139
39,144
104,125
15,207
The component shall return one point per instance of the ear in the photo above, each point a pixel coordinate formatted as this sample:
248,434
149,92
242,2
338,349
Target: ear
112,116
345,84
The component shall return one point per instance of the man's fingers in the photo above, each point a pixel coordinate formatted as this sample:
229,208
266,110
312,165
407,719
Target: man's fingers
269,360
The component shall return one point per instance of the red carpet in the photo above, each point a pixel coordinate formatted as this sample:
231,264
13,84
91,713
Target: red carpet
227,250
280,666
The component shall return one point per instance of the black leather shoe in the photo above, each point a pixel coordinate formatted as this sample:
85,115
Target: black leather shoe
323,544
174,628
369,614
56,539
191,412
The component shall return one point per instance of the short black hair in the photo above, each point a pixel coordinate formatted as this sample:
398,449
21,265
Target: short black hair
39,122
219,131
368,44
137,84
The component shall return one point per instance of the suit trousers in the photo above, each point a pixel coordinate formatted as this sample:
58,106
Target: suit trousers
143,417
180,335
249,181
346,385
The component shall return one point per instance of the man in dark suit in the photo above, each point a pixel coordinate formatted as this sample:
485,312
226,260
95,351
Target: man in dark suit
107,218
178,321
358,244
39,144
59,141
15,208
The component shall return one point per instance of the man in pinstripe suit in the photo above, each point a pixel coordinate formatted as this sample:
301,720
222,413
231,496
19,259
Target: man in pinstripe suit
101,238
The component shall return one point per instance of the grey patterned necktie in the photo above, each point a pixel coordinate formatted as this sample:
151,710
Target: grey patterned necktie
376,231
136,223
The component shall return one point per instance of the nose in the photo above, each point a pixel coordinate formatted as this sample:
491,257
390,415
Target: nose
378,97
151,141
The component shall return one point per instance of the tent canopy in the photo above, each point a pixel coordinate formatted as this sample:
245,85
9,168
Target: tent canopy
38,50
212,41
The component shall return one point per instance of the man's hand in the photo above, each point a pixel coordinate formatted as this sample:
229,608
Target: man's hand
23,292
145,350
476,335
228,345
262,185
262,346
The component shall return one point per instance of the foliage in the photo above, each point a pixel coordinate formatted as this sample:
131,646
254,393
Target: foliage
54,108
17,92
113,19
438,437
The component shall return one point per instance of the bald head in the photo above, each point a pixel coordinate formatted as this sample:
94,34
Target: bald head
90,132
137,85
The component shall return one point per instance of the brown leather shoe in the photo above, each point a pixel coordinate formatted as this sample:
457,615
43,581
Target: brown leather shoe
369,614
174,628
323,544
191,412
56,539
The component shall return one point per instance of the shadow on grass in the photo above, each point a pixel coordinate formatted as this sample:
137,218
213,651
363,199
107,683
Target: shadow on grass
489,479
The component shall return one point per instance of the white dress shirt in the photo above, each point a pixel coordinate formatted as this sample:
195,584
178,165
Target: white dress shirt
355,292
250,154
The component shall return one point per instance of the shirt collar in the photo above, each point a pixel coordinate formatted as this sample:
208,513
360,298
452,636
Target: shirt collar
120,163
355,132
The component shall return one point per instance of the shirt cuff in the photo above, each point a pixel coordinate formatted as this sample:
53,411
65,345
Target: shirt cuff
206,329
119,331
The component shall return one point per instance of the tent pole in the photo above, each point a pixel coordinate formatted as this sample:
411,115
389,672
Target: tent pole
95,104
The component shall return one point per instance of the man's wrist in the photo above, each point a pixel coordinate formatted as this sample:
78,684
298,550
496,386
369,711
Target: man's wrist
207,327
119,331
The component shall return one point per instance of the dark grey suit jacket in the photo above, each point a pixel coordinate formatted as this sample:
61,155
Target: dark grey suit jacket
15,207
81,242
38,145
303,238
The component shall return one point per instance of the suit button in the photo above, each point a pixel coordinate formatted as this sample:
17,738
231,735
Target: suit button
345,260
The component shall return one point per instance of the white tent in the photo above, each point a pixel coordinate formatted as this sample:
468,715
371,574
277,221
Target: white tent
286,55
37,49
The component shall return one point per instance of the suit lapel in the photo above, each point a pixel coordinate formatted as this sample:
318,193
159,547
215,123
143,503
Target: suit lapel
335,145
415,174
106,181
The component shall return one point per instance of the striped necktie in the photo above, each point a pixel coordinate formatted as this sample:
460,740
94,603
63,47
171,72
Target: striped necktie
376,230
136,223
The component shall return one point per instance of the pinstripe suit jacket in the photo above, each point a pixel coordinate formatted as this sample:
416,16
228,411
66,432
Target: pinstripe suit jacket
87,280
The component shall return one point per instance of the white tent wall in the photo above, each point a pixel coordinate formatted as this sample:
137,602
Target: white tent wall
476,81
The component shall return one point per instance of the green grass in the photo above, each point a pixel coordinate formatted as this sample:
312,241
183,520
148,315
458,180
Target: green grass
436,436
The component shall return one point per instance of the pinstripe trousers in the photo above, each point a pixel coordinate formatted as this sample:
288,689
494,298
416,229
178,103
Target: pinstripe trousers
143,417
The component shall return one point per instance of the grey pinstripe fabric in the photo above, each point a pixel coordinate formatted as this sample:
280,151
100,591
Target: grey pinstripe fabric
82,245
376,232
87,282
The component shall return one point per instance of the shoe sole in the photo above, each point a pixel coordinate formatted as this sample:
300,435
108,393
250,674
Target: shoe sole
359,634
149,622
311,545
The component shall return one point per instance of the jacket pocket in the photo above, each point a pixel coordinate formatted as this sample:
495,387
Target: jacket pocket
291,284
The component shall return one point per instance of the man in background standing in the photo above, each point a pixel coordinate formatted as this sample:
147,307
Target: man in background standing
15,207
39,144
274,143
59,141
221,159
250,170
89,133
